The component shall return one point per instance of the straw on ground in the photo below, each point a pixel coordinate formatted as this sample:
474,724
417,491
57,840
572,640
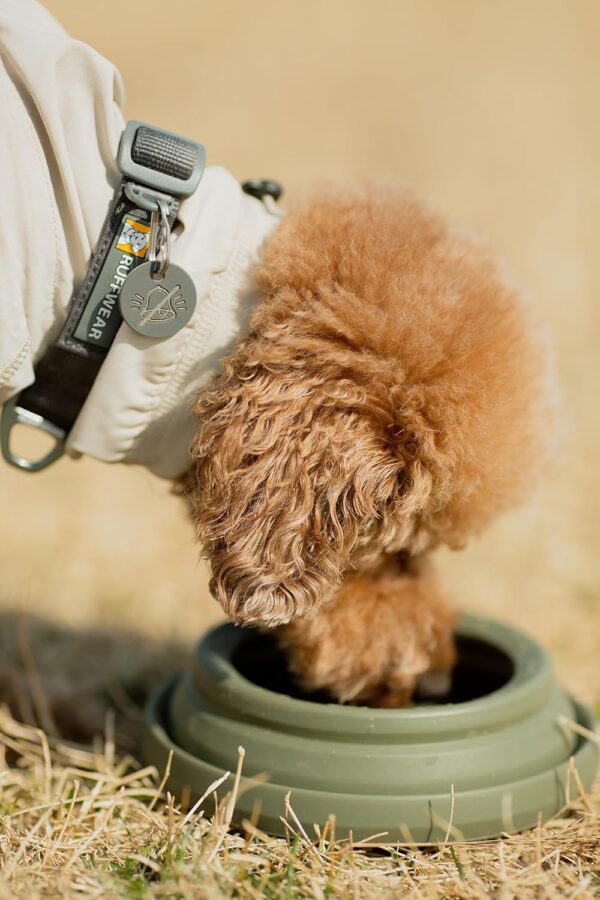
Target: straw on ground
86,822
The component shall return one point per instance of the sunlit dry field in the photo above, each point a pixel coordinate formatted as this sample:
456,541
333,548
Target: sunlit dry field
489,112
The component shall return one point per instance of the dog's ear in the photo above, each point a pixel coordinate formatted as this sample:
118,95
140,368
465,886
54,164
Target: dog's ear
297,472
392,394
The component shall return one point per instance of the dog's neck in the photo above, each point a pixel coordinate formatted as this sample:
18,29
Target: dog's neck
139,407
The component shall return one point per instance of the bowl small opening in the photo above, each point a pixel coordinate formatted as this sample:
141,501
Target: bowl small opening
481,669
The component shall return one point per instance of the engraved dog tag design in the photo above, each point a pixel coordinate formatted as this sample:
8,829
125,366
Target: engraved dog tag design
157,308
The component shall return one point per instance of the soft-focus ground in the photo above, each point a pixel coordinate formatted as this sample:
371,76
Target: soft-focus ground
489,111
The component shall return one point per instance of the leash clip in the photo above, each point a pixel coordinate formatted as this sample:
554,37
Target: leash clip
13,414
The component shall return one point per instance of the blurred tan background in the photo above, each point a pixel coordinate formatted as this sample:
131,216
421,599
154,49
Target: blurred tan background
490,112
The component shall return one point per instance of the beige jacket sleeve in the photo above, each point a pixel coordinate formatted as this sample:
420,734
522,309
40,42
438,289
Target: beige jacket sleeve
60,123
61,120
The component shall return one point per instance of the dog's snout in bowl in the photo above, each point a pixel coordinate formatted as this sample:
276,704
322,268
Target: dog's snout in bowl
434,685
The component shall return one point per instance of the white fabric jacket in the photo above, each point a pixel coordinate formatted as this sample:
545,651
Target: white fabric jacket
60,124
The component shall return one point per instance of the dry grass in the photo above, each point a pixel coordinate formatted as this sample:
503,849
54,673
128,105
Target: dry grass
88,821
81,816
488,110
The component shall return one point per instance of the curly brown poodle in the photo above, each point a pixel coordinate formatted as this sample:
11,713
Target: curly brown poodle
393,394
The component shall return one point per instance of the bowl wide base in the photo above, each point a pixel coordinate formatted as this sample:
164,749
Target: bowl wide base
476,814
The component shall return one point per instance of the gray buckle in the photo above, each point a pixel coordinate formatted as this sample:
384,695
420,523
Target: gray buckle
148,199
13,414
152,177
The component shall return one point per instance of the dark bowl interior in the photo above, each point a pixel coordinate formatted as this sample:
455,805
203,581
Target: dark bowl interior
481,669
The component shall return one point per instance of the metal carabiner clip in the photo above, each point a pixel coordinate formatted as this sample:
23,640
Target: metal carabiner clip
159,250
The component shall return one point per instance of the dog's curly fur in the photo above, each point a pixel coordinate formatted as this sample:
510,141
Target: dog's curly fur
392,394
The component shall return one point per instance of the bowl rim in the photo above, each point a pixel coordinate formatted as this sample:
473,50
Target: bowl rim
217,679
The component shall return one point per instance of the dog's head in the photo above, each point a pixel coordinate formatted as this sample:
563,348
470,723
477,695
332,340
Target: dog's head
391,394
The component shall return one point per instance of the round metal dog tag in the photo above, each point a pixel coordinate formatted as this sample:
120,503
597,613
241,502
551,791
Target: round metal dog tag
157,308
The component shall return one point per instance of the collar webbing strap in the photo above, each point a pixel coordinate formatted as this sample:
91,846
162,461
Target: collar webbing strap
156,165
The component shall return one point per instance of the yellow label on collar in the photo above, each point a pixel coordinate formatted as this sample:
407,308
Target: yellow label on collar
134,238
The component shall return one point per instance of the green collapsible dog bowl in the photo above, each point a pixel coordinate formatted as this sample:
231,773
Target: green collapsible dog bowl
506,745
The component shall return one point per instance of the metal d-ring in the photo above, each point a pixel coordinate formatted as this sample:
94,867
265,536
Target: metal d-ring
13,414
